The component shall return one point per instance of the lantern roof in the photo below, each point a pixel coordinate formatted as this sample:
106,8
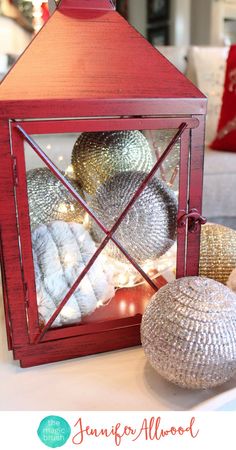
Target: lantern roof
88,58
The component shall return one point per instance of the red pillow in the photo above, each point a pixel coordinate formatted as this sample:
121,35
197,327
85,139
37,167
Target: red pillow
226,132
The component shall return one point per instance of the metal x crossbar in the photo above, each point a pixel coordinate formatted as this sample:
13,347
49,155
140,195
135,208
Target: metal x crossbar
109,233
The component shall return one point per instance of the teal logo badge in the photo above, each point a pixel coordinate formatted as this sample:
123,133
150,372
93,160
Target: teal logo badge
54,431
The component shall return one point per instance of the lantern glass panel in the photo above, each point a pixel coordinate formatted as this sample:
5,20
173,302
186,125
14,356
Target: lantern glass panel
105,169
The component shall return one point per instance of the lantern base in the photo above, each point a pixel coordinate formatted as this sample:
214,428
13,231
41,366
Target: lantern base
60,350
112,327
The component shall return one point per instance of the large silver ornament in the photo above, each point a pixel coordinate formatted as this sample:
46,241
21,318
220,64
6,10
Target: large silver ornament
61,251
98,156
149,227
49,200
188,332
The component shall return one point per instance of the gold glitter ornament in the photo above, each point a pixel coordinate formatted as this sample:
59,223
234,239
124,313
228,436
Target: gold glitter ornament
149,228
188,332
98,156
217,252
49,200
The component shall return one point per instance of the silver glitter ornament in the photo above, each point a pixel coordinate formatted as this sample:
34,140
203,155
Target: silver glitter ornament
188,332
49,200
149,227
61,251
98,156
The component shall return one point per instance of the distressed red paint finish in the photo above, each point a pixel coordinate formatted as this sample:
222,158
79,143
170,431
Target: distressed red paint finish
100,76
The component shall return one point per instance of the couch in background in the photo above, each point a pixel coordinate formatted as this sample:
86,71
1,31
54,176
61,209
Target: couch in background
205,67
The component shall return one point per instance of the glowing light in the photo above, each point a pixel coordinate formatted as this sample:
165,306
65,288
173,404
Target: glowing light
132,280
69,313
62,208
122,306
151,273
60,158
69,260
100,303
147,266
123,279
82,238
132,308
162,267
86,221
125,275
49,147
70,172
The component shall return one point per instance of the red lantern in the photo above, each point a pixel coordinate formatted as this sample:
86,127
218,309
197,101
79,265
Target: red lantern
88,71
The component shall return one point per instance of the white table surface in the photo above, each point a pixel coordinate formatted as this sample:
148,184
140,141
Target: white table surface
119,380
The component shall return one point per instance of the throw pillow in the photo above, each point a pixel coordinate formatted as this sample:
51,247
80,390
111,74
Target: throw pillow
226,132
206,69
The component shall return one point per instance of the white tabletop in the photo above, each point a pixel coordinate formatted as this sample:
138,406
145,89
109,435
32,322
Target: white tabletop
119,380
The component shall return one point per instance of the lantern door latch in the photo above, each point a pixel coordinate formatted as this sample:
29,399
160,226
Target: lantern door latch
194,219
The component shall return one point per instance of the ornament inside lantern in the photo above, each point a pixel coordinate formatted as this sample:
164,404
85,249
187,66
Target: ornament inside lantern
102,180
106,169
78,187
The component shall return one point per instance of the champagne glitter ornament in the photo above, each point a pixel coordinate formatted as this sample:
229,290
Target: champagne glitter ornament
188,332
49,200
218,252
149,227
98,156
61,251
